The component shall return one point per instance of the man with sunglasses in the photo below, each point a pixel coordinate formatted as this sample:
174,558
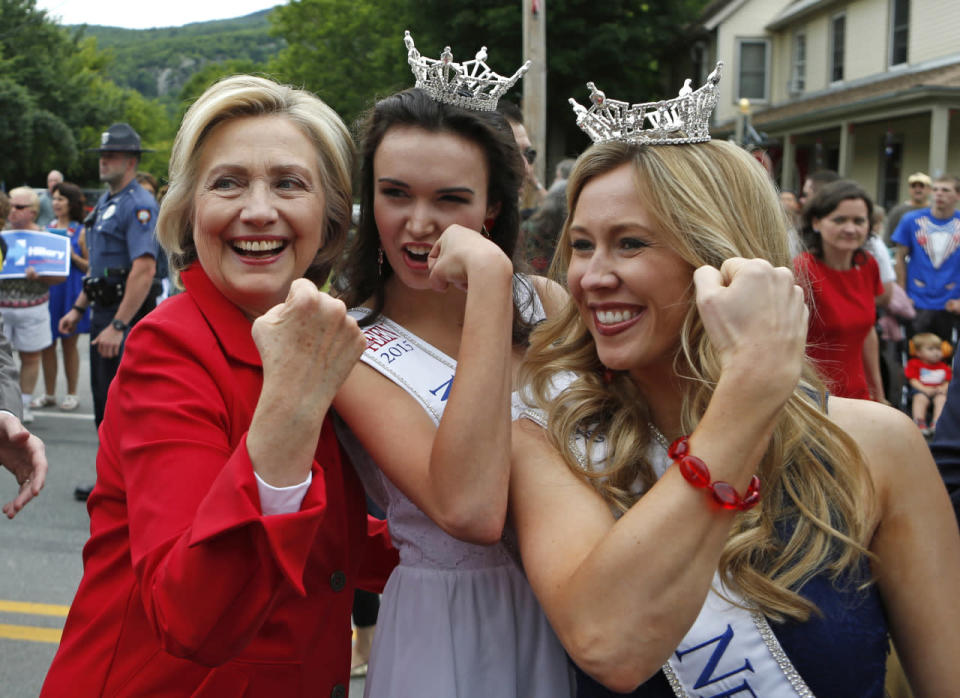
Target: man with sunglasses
24,205
919,184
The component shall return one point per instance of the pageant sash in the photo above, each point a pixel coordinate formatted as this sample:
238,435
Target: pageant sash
418,367
732,651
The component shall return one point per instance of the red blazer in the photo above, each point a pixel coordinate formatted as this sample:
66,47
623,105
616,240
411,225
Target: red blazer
188,590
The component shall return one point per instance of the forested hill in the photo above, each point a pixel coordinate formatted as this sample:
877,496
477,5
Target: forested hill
157,62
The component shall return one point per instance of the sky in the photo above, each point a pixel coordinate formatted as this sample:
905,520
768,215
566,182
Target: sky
143,14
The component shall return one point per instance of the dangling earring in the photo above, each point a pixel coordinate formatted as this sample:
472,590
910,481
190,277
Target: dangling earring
380,262
607,376
485,228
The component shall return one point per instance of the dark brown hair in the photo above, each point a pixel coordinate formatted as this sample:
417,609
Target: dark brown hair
360,273
75,199
823,204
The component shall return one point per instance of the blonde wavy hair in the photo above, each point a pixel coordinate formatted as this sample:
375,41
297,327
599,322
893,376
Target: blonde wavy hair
247,95
709,202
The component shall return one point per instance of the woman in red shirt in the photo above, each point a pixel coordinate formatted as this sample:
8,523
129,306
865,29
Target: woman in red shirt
842,283
227,530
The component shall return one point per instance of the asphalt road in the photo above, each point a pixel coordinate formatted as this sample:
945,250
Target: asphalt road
40,563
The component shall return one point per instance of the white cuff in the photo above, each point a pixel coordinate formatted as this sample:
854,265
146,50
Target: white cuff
281,500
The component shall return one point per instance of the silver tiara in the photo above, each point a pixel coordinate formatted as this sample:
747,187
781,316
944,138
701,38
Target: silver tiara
683,119
470,84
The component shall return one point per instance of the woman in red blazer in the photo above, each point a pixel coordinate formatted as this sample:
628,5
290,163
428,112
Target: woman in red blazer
227,529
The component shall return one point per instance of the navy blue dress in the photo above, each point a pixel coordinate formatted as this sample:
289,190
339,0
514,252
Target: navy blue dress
841,653
63,296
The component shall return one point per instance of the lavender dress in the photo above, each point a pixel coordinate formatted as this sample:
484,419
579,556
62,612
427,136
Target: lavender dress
456,620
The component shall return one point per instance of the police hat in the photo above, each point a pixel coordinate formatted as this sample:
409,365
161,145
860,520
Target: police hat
120,138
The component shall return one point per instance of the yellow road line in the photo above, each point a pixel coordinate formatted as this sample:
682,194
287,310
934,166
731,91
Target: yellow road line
37,609
26,632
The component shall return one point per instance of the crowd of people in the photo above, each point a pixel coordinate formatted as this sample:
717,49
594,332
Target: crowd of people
663,470
32,306
898,272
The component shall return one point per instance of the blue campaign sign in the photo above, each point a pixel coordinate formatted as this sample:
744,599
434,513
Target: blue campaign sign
48,253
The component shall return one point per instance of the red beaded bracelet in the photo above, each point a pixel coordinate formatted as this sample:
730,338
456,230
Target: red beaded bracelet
695,472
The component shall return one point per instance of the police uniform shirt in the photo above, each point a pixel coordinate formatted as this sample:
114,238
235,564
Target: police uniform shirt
122,229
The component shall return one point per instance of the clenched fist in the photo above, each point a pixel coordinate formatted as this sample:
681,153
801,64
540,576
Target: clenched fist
308,345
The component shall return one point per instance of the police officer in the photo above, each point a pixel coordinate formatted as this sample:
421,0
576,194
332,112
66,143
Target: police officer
120,284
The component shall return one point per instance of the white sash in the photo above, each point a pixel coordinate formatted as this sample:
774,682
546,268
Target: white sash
418,367
732,651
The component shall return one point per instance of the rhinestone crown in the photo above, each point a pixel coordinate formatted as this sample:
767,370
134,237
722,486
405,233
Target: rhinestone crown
683,119
470,84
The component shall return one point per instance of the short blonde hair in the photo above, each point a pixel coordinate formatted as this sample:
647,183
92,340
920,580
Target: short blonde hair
30,194
926,339
246,95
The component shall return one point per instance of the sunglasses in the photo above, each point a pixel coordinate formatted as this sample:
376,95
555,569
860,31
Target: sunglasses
530,155
917,184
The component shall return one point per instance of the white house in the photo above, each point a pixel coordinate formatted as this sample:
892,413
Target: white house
869,88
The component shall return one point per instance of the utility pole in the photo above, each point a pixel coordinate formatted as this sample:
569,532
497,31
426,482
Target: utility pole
535,81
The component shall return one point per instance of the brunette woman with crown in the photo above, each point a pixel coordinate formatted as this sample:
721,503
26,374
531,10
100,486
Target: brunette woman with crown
431,279
697,516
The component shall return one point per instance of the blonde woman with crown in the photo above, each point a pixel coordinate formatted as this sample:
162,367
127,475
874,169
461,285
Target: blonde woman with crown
696,515
431,283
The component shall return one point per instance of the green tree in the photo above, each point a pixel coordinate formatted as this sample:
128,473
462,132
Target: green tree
36,132
16,123
211,73
158,62
150,119
628,47
55,100
347,52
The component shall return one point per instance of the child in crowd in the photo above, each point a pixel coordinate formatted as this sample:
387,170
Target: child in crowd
929,377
